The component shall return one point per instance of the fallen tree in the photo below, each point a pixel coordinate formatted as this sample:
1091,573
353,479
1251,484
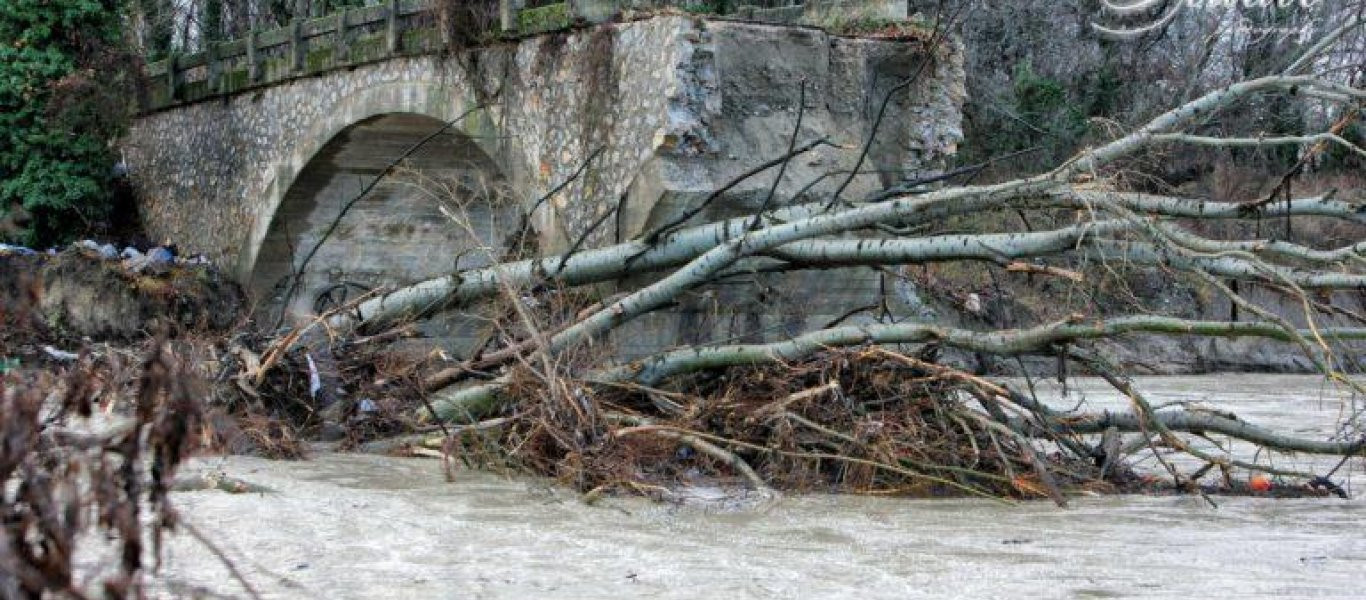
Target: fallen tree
870,402
549,399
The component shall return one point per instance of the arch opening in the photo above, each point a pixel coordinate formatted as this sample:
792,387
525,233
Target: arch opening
396,233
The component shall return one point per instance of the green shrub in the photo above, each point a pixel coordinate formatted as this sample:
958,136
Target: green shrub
62,93
1043,102
1035,112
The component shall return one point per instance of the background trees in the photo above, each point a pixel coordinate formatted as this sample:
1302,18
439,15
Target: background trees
68,83
63,86
1047,75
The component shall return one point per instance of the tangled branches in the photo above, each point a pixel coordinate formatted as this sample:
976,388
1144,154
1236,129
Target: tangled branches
70,478
866,421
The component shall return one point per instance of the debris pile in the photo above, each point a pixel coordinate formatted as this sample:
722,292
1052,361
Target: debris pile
868,421
99,292
71,469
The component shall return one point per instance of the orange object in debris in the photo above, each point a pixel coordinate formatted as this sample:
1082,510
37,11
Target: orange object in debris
1028,487
1259,483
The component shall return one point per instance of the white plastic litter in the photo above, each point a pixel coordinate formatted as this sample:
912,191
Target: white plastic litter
315,382
60,355
159,255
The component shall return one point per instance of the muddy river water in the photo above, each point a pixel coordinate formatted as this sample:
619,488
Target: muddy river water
353,526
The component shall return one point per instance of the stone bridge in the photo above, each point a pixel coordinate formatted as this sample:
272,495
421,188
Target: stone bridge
253,165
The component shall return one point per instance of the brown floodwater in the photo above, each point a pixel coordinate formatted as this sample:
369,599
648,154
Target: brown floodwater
356,526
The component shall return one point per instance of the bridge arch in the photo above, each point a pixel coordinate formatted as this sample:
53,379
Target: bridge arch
433,99
397,232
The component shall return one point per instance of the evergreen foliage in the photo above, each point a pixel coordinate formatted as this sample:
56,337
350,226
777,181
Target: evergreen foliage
63,98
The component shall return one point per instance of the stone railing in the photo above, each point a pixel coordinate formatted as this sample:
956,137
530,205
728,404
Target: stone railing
305,47
394,28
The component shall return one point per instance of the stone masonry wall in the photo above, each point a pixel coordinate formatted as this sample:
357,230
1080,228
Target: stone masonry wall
670,108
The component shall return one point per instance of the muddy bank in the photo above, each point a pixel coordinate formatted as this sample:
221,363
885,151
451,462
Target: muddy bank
78,294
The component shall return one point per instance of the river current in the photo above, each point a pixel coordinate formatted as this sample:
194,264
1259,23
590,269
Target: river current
358,526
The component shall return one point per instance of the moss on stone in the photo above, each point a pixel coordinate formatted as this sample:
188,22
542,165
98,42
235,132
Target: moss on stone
419,40
480,122
274,68
545,18
318,60
235,79
864,20
194,90
158,96
367,48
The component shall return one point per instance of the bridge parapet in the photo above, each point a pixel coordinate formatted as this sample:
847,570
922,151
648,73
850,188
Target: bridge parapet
395,28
